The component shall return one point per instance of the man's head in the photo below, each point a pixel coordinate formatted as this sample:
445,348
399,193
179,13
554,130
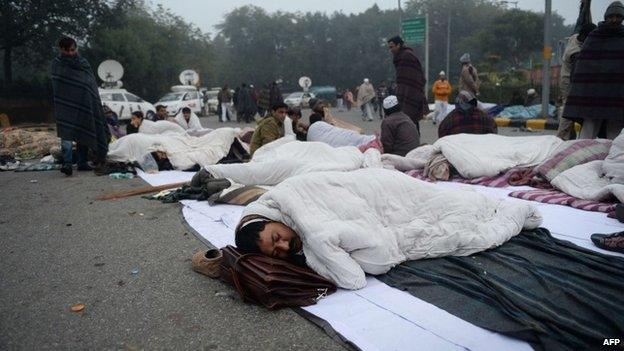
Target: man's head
395,44
279,110
294,114
442,75
465,97
136,118
614,14
391,105
161,111
259,235
465,59
186,112
366,81
68,46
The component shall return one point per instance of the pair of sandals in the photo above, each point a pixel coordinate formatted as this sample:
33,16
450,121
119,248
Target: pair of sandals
612,242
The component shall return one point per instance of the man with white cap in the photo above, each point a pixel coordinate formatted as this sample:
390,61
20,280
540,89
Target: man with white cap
596,93
532,98
468,79
399,134
365,96
441,91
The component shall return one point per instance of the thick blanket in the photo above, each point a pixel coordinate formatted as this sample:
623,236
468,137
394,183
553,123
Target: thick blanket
284,158
160,127
183,151
193,122
587,182
410,82
484,155
335,136
368,221
548,292
77,106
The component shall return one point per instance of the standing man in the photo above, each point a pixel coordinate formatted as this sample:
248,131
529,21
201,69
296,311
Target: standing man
245,106
77,108
226,102
584,26
382,92
441,91
365,96
596,86
468,79
270,128
410,80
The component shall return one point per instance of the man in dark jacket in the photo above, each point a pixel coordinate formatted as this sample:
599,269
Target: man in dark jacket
596,84
410,80
399,134
77,108
467,118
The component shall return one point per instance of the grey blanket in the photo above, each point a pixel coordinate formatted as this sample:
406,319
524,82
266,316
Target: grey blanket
547,292
77,106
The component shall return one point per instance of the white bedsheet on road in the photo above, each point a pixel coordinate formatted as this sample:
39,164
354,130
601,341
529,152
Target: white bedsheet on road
379,317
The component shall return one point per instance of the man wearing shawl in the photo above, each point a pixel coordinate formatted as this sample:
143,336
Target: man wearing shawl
77,108
410,80
596,83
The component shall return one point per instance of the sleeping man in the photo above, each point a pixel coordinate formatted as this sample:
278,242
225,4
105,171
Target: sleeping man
346,224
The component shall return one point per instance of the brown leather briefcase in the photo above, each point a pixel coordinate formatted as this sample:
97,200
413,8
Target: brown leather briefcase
270,282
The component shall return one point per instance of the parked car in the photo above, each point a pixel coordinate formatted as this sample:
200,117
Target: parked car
124,103
182,96
299,99
327,93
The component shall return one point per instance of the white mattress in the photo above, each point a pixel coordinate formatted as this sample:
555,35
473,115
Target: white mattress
380,317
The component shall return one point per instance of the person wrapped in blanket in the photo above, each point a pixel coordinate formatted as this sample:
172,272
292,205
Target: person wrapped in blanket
346,224
467,118
112,120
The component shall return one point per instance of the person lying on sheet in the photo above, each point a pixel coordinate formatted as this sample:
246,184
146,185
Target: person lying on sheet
347,224
322,129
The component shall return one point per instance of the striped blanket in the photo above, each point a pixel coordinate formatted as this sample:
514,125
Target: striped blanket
499,181
77,106
557,197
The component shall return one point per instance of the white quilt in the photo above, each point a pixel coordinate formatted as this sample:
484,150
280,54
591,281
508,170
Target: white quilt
588,182
285,158
182,150
159,127
373,219
193,123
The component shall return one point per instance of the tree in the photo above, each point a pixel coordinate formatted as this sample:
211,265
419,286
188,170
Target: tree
41,22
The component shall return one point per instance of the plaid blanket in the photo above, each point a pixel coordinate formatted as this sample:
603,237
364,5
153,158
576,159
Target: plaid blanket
557,197
410,82
77,106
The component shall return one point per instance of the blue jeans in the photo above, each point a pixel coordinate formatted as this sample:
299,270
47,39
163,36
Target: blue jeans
81,153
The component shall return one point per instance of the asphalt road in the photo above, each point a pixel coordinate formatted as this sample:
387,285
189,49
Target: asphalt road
60,247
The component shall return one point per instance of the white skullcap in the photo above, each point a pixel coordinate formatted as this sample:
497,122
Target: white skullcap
531,91
442,73
390,102
366,80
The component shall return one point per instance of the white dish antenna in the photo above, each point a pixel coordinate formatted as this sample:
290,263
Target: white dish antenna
305,83
110,71
189,77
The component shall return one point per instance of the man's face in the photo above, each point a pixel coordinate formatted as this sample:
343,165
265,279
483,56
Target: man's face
162,112
187,116
278,240
394,48
280,114
135,121
71,51
442,78
615,20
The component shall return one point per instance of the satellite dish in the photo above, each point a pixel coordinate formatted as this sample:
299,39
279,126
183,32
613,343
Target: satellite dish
110,71
189,77
305,83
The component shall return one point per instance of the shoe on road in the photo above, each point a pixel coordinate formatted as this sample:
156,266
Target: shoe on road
611,242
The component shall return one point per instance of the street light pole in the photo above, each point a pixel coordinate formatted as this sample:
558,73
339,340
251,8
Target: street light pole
448,45
547,56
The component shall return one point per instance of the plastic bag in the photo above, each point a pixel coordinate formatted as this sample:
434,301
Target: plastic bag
148,163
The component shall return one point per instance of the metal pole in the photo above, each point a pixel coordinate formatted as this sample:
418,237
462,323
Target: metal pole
400,18
448,45
547,53
427,54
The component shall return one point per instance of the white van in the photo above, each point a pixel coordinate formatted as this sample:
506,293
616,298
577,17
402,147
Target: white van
182,96
124,103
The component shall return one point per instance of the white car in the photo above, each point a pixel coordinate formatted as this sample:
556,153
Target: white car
124,103
182,96
299,99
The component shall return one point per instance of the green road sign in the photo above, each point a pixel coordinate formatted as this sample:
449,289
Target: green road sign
413,30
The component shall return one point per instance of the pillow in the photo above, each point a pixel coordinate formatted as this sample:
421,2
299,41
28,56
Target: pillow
576,153
242,196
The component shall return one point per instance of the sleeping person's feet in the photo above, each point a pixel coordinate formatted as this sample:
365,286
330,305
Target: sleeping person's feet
611,242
